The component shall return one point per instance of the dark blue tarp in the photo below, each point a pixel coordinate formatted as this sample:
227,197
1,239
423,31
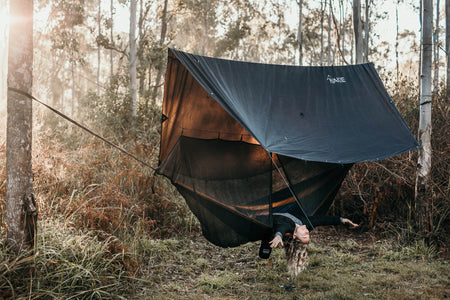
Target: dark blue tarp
241,140
338,114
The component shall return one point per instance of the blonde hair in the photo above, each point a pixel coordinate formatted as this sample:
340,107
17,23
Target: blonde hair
297,256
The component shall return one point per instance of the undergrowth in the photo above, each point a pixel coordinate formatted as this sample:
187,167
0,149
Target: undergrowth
67,264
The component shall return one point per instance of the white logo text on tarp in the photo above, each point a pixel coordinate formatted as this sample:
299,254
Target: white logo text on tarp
334,80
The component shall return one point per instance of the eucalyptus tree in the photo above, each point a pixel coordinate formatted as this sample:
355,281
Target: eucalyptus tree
132,59
447,45
161,43
322,12
366,30
99,28
357,27
21,210
436,50
299,32
422,190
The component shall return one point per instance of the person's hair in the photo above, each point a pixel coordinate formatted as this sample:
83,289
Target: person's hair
296,256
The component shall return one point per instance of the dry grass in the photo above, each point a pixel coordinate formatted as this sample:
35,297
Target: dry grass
71,263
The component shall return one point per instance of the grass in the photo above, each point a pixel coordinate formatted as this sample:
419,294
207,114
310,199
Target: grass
67,263
75,264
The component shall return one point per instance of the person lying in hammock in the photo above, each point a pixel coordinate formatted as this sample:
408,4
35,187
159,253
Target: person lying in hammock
289,228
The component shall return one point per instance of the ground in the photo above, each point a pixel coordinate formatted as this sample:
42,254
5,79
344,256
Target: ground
72,263
342,265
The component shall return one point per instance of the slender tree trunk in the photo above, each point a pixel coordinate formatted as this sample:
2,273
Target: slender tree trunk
141,70
397,69
357,27
132,62
299,33
98,47
3,59
420,51
329,34
422,195
447,45
111,53
72,103
322,6
342,19
366,32
21,210
436,51
162,40
352,48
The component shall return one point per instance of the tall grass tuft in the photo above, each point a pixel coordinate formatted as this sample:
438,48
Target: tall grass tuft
67,264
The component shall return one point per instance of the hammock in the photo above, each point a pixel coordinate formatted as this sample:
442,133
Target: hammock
241,140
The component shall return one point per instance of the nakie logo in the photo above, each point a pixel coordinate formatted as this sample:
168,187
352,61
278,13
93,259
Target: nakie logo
334,80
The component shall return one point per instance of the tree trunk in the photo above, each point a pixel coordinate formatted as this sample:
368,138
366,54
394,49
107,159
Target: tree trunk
397,67
357,27
3,59
299,34
447,45
419,69
422,193
162,40
72,104
21,211
111,53
132,60
366,32
329,35
436,51
322,6
342,17
352,48
98,47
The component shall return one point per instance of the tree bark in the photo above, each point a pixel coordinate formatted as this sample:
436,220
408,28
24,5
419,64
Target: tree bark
357,27
422,193
329,34
299,34
342,19
436,51
447,45
322,6
99,15
162,40
21,211
132,62
366,32
111,53
397,67
73,62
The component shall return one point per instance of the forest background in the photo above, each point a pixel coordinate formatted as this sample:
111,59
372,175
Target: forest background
89,192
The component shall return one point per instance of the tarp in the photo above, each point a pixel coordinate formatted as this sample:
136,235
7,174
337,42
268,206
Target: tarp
340,114
243,140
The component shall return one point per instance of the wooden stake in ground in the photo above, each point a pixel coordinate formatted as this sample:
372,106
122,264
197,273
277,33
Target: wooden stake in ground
21,209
